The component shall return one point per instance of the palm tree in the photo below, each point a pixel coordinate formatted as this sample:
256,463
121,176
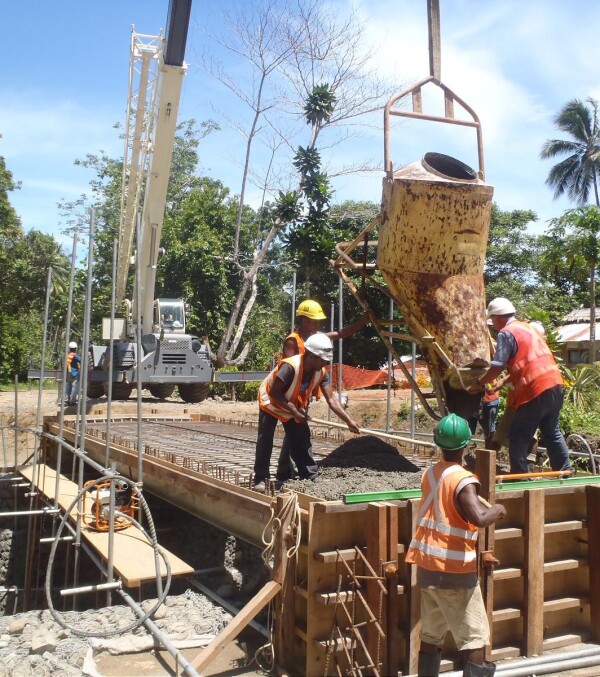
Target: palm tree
578,173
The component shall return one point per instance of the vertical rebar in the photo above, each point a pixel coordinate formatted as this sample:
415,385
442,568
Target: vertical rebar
331,328
341,341
413,399
61,423
293,321
111,343
16,420
388,410
111,533
83,381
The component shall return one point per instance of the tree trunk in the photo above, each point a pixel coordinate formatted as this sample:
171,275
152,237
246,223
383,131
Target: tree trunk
592,313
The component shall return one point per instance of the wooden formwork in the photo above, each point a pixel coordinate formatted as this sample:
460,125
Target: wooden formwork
544,594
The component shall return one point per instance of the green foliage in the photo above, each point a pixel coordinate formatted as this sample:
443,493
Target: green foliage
319,105
582,386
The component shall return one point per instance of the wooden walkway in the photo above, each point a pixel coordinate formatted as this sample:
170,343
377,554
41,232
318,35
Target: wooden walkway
133,555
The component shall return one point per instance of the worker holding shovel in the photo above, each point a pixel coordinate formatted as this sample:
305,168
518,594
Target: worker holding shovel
284,396
444,548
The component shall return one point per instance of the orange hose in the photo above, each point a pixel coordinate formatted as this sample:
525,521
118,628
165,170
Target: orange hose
526,475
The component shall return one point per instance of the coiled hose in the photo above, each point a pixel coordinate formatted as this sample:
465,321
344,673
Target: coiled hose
152,540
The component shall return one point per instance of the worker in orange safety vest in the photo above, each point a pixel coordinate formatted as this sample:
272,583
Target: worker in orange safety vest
284,396
444,548
309,315
537,395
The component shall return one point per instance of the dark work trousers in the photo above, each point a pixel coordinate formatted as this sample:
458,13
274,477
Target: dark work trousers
542,412
264,450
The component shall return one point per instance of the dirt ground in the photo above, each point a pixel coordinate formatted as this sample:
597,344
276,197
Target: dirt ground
368,408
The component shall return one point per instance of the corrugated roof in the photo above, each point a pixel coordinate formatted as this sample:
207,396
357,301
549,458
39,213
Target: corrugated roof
576,332
577,315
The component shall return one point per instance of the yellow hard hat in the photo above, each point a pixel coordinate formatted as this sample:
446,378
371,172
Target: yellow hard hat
310,309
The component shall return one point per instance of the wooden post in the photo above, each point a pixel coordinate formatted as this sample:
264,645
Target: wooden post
592,494
377,550
533,538
393,605
284,573
414,599
485,469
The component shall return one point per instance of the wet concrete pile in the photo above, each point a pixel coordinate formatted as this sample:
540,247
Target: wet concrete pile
362,464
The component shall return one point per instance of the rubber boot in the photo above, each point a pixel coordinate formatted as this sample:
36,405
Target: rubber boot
474,670
429,663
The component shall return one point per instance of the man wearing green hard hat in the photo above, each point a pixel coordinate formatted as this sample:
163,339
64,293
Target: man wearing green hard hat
444,548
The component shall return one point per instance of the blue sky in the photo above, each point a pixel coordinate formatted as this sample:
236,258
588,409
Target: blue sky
64,86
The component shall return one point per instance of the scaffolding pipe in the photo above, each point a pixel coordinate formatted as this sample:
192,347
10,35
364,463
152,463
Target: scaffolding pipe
21,513
293,322
61,420
91,588
111,534
16,417
138,337
542,665
51,539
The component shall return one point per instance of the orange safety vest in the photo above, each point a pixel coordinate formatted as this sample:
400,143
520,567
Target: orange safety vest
70,357
444,541
533,369
299,341
292,394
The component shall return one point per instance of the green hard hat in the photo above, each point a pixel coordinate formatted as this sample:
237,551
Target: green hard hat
452,432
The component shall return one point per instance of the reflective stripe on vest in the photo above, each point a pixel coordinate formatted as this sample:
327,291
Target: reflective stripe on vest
444,540
292,394
533,369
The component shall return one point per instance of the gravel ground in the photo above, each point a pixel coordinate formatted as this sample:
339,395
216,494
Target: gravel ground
33,643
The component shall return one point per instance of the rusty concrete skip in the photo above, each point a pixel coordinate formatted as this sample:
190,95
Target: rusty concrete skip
432,246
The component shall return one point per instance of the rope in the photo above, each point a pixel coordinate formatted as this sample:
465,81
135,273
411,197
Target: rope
274,523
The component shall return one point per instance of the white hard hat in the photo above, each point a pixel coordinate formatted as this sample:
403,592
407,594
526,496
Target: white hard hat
73,345
319,344
539,327
500,306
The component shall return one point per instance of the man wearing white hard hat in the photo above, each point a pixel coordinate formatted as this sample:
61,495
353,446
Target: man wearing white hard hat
73,369
537,395
284,396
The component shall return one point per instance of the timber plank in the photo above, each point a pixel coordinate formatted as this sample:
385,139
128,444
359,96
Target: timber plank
568,525
508,532
564,603
133,556
533,536
568,639
593,515
506,614
507,572
564,564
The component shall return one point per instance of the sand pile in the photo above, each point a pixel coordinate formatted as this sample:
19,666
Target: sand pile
368,452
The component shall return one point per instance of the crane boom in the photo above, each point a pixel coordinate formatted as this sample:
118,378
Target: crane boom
169,356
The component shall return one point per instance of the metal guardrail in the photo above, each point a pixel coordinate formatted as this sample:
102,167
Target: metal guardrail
219,377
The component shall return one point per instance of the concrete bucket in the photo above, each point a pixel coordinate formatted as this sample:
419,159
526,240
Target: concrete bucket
432,242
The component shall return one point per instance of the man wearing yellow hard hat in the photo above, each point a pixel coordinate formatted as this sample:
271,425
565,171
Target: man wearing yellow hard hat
309,314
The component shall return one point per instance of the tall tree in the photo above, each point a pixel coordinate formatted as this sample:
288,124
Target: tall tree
284,52
582,226
578,173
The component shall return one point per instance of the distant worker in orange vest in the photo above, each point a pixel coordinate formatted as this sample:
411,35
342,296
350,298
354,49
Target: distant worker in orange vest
444,548
309,315
73,369
537,395
284,396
